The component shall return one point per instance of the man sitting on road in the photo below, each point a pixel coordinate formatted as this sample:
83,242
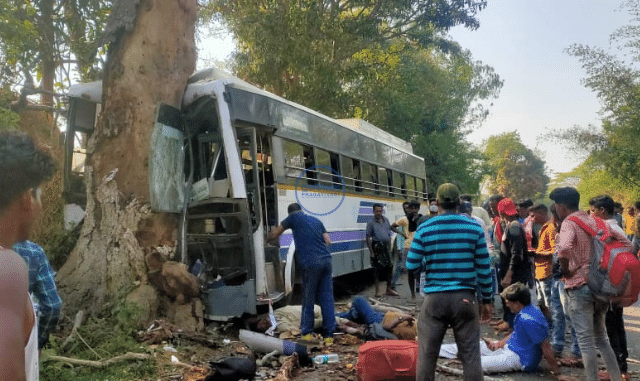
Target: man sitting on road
523,349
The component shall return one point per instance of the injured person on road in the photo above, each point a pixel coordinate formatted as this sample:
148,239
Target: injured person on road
524,348
361,319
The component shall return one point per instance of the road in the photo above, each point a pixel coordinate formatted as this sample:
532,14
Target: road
632,325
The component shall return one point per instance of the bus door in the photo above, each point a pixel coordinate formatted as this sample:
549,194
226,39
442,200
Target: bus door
255,154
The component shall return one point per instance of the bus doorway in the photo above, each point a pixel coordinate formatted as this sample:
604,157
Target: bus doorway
254,146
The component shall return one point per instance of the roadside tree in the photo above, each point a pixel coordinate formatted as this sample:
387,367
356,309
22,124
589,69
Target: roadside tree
151,55
516,171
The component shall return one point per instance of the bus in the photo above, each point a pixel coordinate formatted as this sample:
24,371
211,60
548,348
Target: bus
232,159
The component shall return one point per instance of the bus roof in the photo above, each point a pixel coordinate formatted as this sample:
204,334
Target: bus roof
200,83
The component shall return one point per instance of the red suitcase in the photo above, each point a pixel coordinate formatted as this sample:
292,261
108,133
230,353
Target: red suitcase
387,360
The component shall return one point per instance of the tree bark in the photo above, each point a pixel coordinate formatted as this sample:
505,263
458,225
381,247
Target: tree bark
146,65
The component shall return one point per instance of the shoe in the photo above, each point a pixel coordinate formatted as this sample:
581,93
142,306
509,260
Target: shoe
308,337
328,341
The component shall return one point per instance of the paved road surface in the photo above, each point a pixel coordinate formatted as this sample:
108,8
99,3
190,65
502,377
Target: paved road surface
632,325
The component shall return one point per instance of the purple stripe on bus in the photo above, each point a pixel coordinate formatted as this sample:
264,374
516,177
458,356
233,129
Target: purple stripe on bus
368,211
350,235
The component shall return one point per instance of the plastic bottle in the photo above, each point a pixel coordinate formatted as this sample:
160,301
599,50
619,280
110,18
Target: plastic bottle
326,359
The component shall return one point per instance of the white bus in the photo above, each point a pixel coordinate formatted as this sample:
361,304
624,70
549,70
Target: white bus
232,160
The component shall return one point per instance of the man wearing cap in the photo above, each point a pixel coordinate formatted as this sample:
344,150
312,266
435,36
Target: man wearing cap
574,247
451,249
515,264
523,349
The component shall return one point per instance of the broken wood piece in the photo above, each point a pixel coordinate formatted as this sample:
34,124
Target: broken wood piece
101,363
285,372
76,324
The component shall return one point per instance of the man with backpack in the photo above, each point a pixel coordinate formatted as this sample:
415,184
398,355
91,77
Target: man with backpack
603,207
587,310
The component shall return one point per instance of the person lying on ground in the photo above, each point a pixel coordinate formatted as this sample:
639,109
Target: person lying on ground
361,319
523,349
390,325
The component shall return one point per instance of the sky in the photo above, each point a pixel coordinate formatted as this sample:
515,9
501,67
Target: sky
524,41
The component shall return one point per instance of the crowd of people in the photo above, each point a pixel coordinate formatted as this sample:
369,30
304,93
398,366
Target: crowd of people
535,257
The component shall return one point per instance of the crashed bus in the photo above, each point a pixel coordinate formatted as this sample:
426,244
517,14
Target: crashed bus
231,160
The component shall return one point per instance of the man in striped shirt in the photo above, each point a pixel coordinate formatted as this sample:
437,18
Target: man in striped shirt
451,249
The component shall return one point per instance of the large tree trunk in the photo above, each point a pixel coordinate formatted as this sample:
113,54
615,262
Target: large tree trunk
148,64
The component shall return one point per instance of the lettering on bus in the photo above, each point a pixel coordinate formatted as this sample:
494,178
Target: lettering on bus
323,197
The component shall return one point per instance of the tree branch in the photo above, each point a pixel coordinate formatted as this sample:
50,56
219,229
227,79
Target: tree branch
101,363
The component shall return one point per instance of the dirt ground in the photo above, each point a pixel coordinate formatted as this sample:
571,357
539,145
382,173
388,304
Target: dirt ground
346,346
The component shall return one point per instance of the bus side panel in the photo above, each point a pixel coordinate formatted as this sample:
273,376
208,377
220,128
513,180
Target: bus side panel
346,226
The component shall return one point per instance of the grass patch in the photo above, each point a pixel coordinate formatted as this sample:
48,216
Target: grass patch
100,338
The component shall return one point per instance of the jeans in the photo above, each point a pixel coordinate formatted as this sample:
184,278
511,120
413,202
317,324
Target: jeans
559,303
501,360
361,312
588,316
317,284
401,266
439,311
614,322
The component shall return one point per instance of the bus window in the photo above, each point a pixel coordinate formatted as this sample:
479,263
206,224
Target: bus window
357,175
398,183
383,180
420,188
346,171
369,176
403,185
323,162
390,182
411,186
293,159
309,164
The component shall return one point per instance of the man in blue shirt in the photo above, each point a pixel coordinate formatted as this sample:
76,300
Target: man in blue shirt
451,249
313,260
523,349
43,288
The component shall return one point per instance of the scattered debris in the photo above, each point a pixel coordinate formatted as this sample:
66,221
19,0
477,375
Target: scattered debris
286,370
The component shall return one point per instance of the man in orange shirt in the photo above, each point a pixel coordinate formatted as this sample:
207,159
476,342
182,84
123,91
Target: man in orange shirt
548,272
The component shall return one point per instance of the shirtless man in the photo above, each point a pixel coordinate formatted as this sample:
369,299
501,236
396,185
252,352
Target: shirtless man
23,167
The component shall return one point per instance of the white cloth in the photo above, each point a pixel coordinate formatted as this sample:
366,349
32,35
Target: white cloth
498,361
479,211
31,365
288,318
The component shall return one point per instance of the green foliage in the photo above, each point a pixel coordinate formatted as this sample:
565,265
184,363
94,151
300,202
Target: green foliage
59,245
39,39
101,338
595,180
387,62
516,171
616,81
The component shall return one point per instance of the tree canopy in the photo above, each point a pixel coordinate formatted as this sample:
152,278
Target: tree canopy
615,78
42,42
516,171
388,62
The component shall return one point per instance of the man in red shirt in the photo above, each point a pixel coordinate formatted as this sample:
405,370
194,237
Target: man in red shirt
587,313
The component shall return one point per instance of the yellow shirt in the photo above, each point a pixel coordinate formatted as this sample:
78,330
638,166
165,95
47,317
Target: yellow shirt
545,250
629,223
404,222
